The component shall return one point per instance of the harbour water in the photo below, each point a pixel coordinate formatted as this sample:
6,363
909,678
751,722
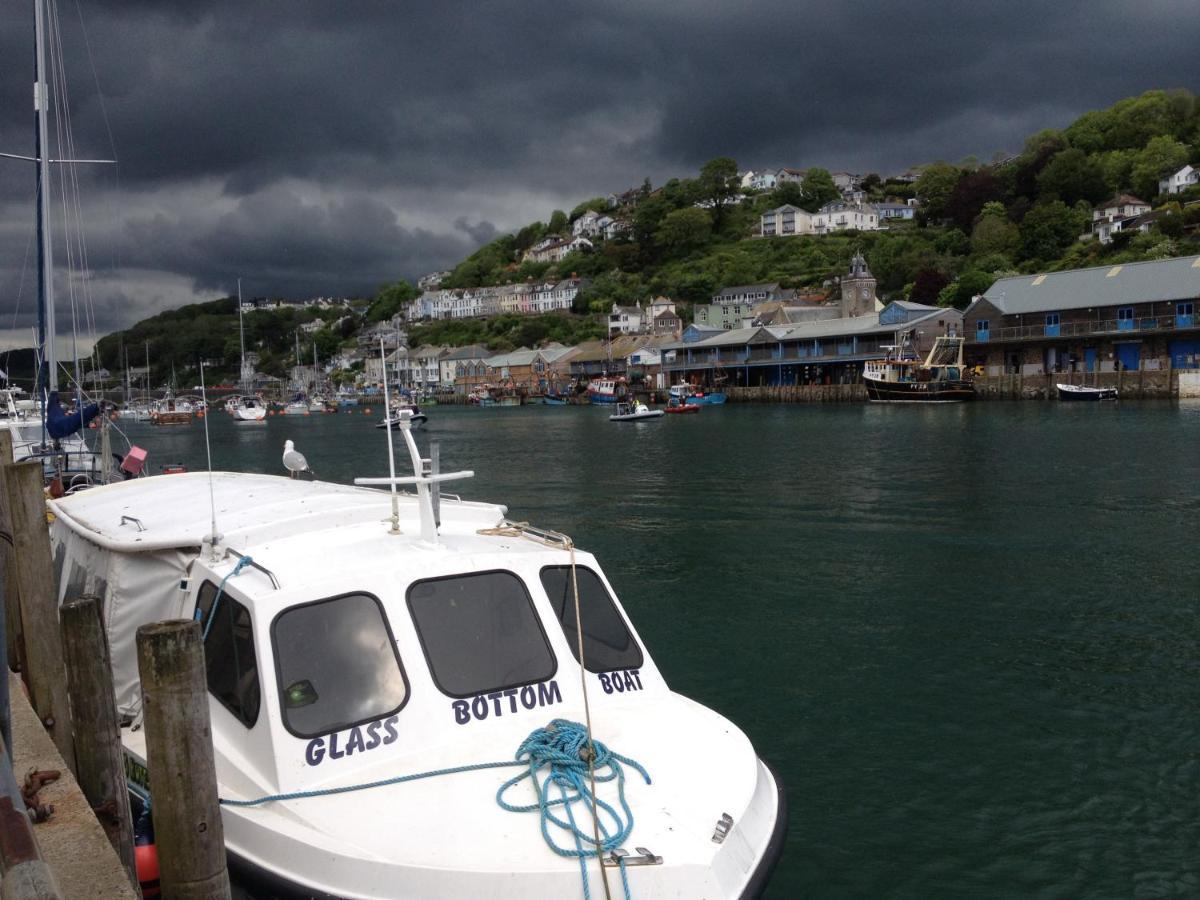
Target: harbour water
966,637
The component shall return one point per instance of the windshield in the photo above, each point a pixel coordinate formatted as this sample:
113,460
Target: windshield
480,633
607,642
337,664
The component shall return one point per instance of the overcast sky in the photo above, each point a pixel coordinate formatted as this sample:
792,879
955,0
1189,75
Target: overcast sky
323,148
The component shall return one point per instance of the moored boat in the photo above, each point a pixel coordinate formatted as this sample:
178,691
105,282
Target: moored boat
606,390
1080,392
901,377
411,412
634,412
705,398
246,408
677,406
372,717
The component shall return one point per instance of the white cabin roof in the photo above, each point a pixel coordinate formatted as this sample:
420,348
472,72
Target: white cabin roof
175,511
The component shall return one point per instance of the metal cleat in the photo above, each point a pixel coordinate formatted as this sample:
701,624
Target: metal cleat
621,855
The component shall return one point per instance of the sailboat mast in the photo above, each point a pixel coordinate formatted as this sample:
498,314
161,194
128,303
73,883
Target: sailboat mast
242,341
41,102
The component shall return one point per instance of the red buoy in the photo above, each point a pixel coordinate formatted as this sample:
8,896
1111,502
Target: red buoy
145,857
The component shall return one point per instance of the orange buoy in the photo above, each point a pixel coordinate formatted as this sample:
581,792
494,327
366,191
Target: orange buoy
145,857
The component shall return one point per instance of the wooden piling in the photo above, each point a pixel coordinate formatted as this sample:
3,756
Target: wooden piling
99,763
12,602
43,664
179,756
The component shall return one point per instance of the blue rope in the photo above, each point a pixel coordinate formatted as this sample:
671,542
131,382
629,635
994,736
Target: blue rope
562,749
242,562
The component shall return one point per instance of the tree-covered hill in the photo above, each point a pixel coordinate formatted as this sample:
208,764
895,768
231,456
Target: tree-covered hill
689,238
692,236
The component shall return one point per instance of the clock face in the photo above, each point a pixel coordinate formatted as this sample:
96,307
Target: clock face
866,292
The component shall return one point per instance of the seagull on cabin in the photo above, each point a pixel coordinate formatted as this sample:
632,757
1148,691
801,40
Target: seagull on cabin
293,459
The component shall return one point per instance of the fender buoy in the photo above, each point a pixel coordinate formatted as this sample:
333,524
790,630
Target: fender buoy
145,857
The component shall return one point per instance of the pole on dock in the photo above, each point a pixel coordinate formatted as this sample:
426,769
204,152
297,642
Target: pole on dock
43,669
99,762
9,595
179,756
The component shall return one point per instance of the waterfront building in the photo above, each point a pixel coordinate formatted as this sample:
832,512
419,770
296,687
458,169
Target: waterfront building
827,351
1135,315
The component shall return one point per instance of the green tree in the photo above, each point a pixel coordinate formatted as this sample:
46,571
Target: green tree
1048,229
596,204
389,300
787,193
558,222
817,189
934,188
718,183
684,229
1161,156
1072,175
994,232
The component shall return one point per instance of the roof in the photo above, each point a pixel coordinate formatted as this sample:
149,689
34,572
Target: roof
1142,282
251,509
471,351
1122,200
821,328
746,288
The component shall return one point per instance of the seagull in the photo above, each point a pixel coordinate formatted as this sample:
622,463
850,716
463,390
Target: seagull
293,459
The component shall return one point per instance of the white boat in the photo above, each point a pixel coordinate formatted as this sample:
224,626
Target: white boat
634,412
380,666
297,407
1075,392
246,408
410,412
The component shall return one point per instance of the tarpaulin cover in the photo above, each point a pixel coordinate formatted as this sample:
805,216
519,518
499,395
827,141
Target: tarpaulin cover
135,588
61,424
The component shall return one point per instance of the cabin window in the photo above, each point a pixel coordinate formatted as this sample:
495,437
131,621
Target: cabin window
480,633
607,642
229,653
337,665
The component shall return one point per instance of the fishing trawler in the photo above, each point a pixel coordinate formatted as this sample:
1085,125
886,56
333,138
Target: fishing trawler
902,377
399,690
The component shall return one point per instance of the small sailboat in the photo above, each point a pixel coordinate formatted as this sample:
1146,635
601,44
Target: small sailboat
1080,392
245,407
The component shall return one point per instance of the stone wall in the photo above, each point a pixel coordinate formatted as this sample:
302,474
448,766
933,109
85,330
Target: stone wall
806,393
1130,385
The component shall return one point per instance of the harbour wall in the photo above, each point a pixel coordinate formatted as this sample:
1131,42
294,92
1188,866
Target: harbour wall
1136,385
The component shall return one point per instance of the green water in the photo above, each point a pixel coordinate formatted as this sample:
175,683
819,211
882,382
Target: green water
966,637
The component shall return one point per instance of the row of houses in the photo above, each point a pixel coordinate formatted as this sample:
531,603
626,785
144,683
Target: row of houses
1134,316
522,297
838,215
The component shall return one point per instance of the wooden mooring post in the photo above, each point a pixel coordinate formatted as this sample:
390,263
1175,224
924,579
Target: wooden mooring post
43,669
99,763
12,604
179,756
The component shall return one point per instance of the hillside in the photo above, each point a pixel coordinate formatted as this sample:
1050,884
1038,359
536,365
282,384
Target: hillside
692,236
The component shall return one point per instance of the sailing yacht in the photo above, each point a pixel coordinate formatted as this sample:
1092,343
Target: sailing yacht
245,407
55,436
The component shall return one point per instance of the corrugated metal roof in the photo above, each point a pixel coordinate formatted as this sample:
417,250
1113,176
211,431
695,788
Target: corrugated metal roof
1113,285
822,328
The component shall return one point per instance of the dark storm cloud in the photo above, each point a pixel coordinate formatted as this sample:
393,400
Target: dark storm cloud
326,147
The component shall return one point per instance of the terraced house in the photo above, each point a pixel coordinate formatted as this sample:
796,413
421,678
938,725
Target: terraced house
1135,316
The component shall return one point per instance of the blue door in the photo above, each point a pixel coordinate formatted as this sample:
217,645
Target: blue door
1125,318
1089,359
1185,354
1130,356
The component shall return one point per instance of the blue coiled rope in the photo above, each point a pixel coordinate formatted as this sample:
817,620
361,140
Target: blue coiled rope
561,748
242,562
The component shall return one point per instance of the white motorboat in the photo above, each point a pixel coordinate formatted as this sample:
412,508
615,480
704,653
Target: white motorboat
1074,392
409,411
246,408
385,672
634,412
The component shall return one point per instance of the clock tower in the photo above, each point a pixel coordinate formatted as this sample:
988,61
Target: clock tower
858,289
